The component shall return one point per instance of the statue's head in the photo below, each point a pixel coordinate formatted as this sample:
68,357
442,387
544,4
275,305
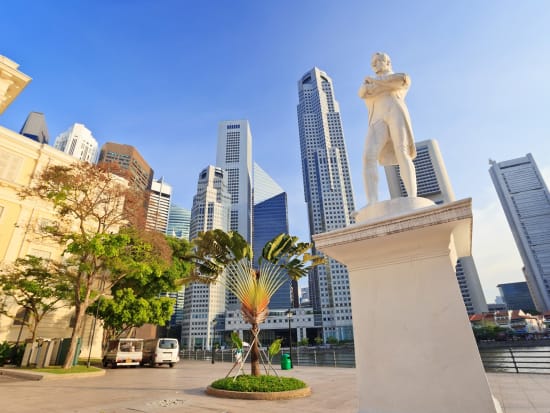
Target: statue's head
381,63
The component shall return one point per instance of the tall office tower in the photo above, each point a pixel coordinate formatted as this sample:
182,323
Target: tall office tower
204,303
526,202
129,164
433,183
35,128
270,218
234,155
158,207
328,194
179,220
431,175
517,296
78,142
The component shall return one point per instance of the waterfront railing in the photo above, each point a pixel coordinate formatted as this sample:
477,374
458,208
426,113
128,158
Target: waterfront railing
511,360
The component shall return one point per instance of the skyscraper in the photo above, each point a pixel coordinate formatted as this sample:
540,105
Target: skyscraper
328,194
35,128
158,207
234,155
179,221
204,303
526,202
129,164
517,296
270,218
78,142
433,183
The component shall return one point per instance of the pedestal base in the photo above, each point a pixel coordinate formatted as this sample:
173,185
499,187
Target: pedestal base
414,347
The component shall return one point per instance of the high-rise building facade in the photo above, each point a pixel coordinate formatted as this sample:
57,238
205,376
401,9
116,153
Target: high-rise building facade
158,207
234,155
205,303
433,183
179,221
526,202
35,128
270,218
78,142
128,163
517,296
328,195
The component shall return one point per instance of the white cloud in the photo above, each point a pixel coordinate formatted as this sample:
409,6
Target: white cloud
494,250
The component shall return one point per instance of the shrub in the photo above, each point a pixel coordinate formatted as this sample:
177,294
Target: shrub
246,383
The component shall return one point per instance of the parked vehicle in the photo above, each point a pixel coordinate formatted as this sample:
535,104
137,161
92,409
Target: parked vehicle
123,352
158,351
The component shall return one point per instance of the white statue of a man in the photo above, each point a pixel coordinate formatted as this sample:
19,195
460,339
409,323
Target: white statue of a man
390,139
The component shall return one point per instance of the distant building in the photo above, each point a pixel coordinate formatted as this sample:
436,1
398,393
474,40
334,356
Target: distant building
433,183
517,296
526,203
494,307
328,195
234,155
128,163
203,303
78,142
179,221
271,219
158,207
35,128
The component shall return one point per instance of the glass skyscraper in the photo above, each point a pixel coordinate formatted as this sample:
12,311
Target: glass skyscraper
179,221
328,195
526,202
271,219
517,296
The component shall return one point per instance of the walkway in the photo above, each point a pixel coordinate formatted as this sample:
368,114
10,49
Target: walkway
181,389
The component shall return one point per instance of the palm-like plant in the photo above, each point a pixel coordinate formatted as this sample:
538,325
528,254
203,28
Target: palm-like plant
227,258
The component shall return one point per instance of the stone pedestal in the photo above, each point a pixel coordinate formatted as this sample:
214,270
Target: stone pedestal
414,347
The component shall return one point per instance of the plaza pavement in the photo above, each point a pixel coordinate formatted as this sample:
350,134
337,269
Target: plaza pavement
181,389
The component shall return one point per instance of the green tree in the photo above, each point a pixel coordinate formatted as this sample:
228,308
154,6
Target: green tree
303,342
32,283
135,299
227,258
91,205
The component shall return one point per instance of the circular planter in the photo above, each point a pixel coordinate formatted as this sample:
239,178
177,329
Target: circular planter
276,395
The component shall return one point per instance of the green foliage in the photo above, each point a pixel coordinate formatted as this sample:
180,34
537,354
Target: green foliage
35,284
10,353
60,370
332,340
274,348
490,332
318,340
303,342
125,311
285,250
214,250
236,340
247,383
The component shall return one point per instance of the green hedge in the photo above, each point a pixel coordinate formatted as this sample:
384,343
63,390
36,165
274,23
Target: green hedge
246,383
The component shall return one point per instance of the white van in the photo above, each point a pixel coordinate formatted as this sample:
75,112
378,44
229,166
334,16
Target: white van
158,351
123,352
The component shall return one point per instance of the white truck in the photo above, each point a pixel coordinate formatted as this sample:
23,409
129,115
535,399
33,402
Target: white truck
159,351
123,352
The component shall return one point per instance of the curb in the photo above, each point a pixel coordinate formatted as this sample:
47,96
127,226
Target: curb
29,375
279,395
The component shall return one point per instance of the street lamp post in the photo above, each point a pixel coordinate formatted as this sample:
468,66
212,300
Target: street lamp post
289,315
213,336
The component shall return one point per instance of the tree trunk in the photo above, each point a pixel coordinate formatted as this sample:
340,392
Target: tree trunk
255,351
79,316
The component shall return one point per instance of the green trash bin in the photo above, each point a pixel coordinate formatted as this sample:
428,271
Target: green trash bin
286,363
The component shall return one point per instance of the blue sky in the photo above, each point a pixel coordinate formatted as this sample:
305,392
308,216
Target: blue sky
161,74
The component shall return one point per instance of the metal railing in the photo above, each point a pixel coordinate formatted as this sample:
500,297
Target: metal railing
302,356
516,360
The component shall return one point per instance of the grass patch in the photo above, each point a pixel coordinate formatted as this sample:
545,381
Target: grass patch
61,370
246,383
